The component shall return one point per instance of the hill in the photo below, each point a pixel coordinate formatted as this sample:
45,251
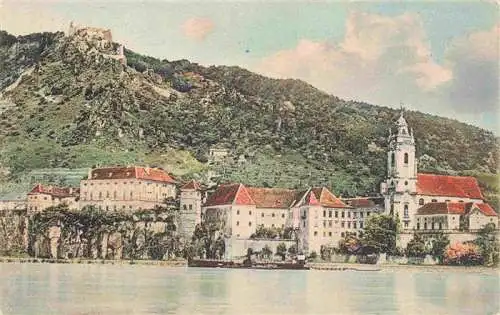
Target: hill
68,102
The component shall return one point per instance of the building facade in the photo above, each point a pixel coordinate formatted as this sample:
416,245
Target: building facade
406,191
191,199
126,188
42,197
316,216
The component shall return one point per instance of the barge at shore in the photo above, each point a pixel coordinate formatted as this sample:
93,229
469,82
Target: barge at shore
206,263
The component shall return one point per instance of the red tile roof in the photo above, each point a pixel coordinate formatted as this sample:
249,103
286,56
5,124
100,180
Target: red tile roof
146,173
360,202
486,209
327,199
452,186
55,191
230,194
192,184
272,197
460,208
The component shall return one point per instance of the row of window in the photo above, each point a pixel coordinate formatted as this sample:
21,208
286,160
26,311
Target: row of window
421,201
116,183
262,214
342,214
184,207
343,223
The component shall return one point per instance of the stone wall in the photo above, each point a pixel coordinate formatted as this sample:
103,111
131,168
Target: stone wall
454,236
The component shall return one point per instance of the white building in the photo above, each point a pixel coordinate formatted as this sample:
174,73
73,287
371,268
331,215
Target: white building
315,214
42,197
405,190
126,188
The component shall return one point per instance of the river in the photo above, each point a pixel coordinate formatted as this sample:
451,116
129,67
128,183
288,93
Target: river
134,289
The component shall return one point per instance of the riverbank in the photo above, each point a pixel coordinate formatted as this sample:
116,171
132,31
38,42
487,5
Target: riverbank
164,263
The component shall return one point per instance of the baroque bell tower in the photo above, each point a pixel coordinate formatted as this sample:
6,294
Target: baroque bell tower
400,187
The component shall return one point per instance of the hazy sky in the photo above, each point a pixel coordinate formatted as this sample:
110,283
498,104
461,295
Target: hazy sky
436,57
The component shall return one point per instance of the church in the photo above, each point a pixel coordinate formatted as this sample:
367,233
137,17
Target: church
429,201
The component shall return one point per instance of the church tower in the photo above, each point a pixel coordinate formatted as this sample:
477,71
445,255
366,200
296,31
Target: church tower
400,187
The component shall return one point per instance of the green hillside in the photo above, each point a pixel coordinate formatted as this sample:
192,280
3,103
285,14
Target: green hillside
74,108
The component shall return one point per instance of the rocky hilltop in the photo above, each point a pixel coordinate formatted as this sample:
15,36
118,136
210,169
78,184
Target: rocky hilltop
80,100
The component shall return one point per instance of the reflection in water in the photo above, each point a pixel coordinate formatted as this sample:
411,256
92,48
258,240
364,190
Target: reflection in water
117,289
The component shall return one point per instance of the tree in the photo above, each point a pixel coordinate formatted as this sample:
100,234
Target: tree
266,252
313,255
325,252
487,243
350,244
416,247
439,243
380,234
292,250
281,250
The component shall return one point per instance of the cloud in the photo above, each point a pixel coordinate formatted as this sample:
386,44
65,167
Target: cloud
387,60
474,62
197,28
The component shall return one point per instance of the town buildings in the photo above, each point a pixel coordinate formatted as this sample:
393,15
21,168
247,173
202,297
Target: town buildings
408,193
316,215
191,198
126,188
42,197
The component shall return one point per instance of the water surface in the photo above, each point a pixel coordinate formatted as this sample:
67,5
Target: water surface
134,289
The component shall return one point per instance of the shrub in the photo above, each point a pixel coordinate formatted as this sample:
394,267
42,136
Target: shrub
462,254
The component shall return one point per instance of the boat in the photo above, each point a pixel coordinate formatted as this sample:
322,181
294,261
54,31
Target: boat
211,263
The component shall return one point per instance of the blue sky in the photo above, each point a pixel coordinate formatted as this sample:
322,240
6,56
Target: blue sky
436,57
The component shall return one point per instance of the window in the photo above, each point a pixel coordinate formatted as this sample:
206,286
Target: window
434,200
249,212
131,194
336,214
315,233
272,225
393,159
343,214
324,213
330,234
44,198
348,225
330,223
237,223
342,234
282,215
354,214
330,213
447,200
418,225
237,211
406,158
460,201
425,225
107,194
262,214
421,201
324,223
406,224
406,183
440,225
342,224
184,207
114,195
348,214
249,223
360,225
273,215
405,211
190,207
368,214
354,225
361,214
304,223
392,208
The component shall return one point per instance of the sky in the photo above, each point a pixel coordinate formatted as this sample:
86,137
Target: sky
440,57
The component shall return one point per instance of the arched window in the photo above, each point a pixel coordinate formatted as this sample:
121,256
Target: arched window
421,201
406,158
405,211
